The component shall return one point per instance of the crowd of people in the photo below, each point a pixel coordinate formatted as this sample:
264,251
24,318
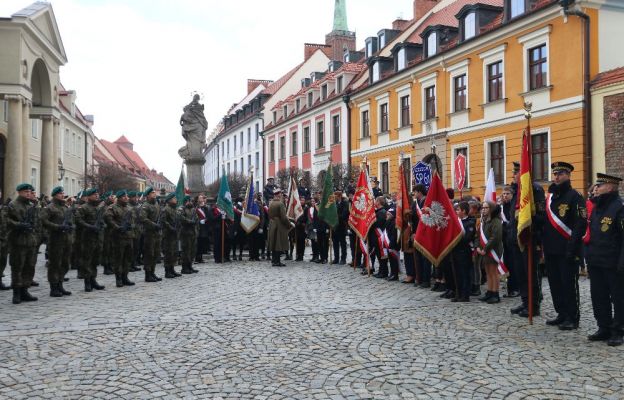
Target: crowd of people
125,230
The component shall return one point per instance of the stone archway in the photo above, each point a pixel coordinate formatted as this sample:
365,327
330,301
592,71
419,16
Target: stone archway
40,85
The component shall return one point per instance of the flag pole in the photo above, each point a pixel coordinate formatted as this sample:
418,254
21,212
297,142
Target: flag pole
527,114
355,252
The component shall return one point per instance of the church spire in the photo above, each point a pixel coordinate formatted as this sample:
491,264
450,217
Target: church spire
340,16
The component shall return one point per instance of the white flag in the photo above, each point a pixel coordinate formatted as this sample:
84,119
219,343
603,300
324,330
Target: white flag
490,188
295,208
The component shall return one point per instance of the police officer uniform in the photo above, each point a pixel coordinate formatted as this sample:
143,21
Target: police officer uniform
605,263
562,240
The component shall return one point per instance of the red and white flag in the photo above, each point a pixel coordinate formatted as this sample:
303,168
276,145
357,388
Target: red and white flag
362,214
439,230
490,188
295,208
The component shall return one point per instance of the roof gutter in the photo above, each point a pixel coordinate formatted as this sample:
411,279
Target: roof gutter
347,100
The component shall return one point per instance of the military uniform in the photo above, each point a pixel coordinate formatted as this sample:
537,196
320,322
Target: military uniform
170,239
138,233
107,240
605,263
562,240
58,220
90,223
151,215
120,218
4,245
21,219
189,225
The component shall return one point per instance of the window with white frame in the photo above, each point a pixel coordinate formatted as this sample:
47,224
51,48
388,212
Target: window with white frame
384,172
405,110
401,59
320,134
34,128
460,92
293,143
306,139
324,92
365,124
382,40
310,99
538,67
495,81
335,129
376,75
432,44
540,156
516,8
339,83
66,141
430,102
470,26
383,118
496,159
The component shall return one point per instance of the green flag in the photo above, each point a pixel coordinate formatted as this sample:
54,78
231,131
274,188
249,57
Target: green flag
180,188
327,209
224,199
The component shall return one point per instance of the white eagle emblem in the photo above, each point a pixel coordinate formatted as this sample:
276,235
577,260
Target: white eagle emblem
435,216
360,203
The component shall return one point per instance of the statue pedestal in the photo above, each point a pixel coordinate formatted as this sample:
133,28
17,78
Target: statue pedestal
195,175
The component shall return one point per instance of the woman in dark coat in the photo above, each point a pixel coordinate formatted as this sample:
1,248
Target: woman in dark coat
491,240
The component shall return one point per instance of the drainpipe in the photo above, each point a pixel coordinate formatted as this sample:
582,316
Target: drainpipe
587,112
84,180
261,133
347,99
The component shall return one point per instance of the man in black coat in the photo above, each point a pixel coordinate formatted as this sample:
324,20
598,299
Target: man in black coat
375,238
339,233
562,241
605,261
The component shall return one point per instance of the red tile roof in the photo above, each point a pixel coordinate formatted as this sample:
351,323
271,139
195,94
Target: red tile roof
277,85
608,78
123,140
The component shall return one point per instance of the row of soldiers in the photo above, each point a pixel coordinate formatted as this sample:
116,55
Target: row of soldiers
90,232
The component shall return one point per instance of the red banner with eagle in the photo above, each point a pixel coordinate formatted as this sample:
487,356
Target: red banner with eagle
362,214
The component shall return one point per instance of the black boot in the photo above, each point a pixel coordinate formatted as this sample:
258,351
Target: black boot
134,268
54,290
169,273
485,297
17,295
158,278
95,285
126,281
108,270
494,298
88,285
186,269
62,289
600,335
27,296
149,277
118,280
173,271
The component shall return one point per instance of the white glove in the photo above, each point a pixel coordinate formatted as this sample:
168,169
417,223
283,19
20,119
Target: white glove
313,230
202,222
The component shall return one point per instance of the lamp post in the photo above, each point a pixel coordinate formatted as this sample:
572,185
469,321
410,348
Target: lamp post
61,170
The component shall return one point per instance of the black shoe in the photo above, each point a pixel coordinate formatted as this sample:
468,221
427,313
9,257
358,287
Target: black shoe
517,309
88,286
343,262
379,275
62,289
364,272
334,261
173,271
446,293
438,287
34,283
149,277
616,339
55,291
108,270
494,298
193,270
134,269
118,281
288,258
169,273
463,300
425,285
513,293
299,259
486,296
405,281
27,296
126,281
158,278
186,270
17,295
568,325
555,321
600,335
525,313
95,285
393,278
323,261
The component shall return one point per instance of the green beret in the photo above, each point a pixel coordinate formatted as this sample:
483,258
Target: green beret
89,192
170,196
24,186
186,198
148,191
57,190
107,194
121,193
131,193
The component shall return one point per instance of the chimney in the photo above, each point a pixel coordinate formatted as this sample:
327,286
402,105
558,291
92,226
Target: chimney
422,7
310,48
252,84
399,24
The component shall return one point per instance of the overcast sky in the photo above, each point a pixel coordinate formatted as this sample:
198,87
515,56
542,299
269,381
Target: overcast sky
135,63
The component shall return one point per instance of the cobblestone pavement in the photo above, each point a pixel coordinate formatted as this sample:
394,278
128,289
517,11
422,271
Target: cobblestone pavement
306,331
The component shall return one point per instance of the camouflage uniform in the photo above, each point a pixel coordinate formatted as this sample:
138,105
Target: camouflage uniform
4,245
21,219
138,232
90,220
58,220
189,226
107,244
120,219
170,239
151,215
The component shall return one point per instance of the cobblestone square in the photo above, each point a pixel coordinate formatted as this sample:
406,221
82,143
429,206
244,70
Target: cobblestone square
305,331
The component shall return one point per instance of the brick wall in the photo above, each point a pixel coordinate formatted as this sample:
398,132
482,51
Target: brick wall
614,135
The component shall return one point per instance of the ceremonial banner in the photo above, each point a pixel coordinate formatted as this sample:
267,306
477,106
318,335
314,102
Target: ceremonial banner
294,209
224,199
327,209
362,214
526,203
490,188
250,217
403,202
439,229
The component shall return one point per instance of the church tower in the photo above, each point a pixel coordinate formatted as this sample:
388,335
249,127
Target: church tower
340,38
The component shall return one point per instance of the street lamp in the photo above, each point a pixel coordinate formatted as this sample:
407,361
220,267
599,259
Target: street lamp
61,170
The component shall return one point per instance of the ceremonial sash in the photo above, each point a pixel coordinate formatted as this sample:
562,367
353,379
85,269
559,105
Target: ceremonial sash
201,213
502,268
462,225
418,211
394,254
383,251
311,212
386,239
555,221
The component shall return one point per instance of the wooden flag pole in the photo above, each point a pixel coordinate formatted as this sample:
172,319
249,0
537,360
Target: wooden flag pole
527,114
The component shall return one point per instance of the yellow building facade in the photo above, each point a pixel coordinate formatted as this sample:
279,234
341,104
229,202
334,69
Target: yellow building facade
466,94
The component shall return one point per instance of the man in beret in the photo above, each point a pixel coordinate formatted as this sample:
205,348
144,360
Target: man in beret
57,218
90,223
279,226
75,245
562,244
170,227
150,217
107,243
120,219
605,260
21,219
189,225
133,203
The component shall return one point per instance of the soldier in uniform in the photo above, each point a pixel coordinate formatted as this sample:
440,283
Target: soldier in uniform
90,219
57,218
279,226
375,238
339,232
605,261
170,224
304,192
189,225
376,191
22,241
269,189
120,219
107,242
133,204
151,218
521,257
562,241
4,247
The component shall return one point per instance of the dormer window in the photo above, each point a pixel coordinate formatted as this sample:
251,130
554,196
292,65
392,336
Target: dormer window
470,26
432,44
285,111
310,99
401,59
376,74
382,40
339,83
516,8
297,105
274,121
324,92
371,46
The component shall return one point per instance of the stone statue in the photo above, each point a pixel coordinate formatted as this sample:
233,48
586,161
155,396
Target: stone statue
194,126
